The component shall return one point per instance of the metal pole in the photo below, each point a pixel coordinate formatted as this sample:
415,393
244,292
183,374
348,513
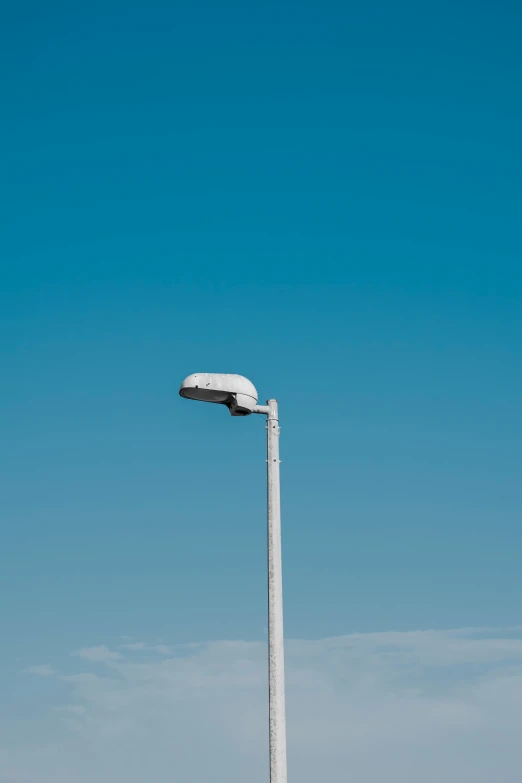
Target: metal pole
276,660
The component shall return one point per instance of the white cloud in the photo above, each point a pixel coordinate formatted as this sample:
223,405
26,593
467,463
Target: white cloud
376,708
72,709
161,649
100,654
43,670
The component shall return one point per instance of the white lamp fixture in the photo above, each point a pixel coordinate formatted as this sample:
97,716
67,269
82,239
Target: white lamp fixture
240,397
234,391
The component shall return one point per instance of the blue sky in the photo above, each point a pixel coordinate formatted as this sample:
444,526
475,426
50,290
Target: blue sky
323,197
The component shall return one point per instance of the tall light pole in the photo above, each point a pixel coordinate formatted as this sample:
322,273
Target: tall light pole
240,397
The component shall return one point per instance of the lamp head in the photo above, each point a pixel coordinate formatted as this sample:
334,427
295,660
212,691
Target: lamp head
234,391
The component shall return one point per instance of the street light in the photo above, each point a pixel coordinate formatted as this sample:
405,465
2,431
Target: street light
240,397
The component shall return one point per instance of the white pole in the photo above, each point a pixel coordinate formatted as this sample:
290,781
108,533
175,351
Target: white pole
276,660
